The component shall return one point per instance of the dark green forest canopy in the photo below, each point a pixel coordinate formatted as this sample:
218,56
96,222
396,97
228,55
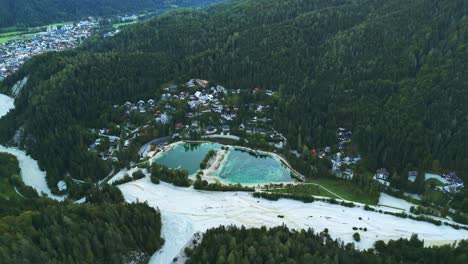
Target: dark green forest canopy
393,71
40,230
281,245
27,13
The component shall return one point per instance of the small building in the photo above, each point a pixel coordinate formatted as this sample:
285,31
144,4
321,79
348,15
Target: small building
62,185
226,128
348,174
412,175
382,174
211,130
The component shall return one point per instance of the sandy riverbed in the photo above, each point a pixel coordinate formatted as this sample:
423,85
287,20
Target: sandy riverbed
201,210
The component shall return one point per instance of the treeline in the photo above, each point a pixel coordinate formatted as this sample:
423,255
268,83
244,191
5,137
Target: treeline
305,198
162,173
138,174
200,184
281,245
207,158
27,13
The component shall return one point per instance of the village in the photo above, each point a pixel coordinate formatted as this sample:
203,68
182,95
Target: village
193,110
58,37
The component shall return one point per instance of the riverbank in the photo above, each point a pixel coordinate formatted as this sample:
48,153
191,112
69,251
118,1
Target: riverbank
30,172
207,209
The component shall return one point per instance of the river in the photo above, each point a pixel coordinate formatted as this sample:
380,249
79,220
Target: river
31,174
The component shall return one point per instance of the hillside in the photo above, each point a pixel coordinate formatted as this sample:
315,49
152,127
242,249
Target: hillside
36,229
26,13
394,71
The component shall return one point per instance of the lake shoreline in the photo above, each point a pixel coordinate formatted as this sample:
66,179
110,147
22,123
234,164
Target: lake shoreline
217,164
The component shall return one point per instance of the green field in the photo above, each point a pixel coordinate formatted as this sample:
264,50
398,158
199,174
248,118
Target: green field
434,181
5,37
118,25
307,189
15,33
330,188
346,190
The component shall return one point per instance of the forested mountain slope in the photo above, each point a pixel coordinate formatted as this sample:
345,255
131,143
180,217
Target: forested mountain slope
42,12
393,71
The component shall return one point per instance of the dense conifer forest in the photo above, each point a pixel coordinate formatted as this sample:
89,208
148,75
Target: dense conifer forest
392,71
35,229
27,13
234,245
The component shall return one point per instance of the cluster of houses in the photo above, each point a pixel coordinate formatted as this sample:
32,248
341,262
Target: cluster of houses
225,120
56,38
206,112
450,182
455,183
106,144
342,162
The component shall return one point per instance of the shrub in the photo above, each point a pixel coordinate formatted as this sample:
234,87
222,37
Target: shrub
138,175
125,179
204,185
208,156
357,237
174,176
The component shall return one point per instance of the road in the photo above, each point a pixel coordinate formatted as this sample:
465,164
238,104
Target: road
156,142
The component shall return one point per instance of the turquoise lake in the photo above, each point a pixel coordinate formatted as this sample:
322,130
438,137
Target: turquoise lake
187,156
240,166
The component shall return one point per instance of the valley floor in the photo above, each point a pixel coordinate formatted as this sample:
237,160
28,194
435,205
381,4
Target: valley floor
186,211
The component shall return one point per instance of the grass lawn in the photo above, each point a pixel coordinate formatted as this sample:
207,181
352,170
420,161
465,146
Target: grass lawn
346,190
435,182
9,34
305,190
15,33
118,25
5,37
